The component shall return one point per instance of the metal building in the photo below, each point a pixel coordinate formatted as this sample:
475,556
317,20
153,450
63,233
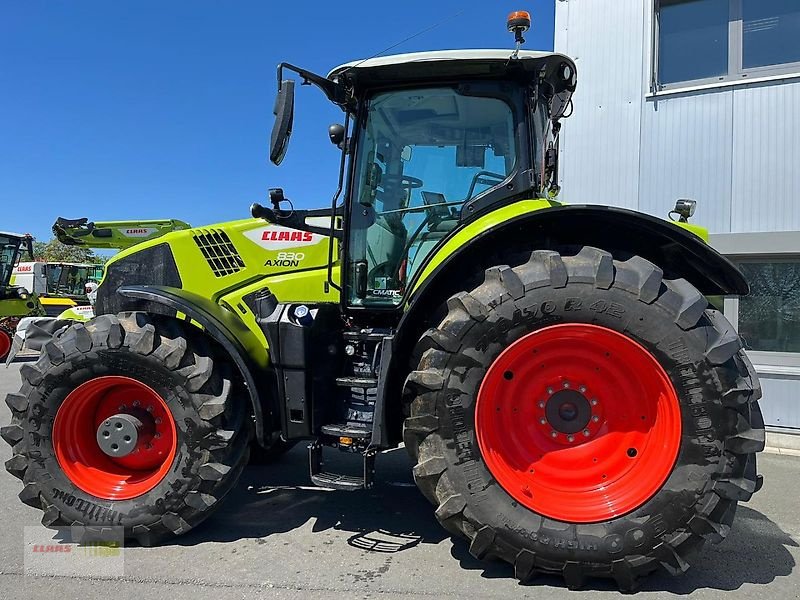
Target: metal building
701,99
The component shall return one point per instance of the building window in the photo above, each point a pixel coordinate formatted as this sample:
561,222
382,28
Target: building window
706,41
769,317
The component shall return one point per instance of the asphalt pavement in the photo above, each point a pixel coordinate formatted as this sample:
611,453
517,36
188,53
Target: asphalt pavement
278,537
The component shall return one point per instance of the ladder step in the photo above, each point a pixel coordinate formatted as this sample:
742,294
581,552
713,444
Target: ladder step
357,382
347,483
371,336
336,481
345,430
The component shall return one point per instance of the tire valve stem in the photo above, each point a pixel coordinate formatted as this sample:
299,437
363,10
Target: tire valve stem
527,491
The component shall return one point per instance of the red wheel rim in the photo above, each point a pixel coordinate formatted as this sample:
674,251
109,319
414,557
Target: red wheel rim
551,455
75,435
5,344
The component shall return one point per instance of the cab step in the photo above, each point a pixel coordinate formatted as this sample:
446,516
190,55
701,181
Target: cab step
357,382
338,481
339,430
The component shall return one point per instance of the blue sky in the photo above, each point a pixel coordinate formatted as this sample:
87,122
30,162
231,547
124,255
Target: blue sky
159,109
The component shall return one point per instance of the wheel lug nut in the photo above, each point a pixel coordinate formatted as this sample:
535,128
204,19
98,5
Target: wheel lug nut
586,433
158,421
593,402
565,384
136,403
543,421
582,389
570,438
595,418
553,434
550,391
541,404
150,409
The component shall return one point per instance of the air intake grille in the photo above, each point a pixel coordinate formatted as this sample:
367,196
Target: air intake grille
219,251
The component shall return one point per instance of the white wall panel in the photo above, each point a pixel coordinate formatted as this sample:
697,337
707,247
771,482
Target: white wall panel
766,157
600,142
686,153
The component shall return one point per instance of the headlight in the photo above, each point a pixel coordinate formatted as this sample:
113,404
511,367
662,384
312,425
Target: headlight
684,208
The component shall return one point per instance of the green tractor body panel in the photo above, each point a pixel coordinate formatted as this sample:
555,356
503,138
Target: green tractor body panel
229,263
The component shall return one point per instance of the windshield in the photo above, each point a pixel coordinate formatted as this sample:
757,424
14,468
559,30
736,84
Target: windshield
422,154
8,257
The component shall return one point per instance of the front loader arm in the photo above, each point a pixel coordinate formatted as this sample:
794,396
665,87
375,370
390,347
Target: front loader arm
116,235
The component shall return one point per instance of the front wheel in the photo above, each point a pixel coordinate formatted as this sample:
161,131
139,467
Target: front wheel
126,421
584,416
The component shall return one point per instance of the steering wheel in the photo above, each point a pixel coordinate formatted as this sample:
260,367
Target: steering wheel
476,180
412,183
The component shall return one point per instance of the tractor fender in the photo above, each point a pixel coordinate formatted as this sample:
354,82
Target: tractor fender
676,248
218,323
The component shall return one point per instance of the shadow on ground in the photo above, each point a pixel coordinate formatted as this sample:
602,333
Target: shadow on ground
395,516
278,498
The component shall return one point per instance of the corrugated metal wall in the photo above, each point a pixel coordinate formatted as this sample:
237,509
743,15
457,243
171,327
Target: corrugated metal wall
607,102
736,150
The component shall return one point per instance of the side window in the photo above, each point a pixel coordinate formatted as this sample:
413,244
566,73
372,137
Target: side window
769,316
422,154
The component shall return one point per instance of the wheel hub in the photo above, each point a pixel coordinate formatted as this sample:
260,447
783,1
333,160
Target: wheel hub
125,433
568,411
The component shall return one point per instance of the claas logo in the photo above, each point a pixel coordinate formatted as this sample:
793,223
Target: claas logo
24,268
287,236
135,231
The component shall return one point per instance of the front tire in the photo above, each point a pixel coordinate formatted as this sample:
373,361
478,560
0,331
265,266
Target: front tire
146,370
543,391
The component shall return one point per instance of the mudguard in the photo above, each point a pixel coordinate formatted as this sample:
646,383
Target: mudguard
223,327
677,248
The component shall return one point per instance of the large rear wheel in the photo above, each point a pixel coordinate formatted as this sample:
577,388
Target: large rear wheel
584,416
126,421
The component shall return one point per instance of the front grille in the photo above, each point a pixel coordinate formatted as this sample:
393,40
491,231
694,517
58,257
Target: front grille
219,252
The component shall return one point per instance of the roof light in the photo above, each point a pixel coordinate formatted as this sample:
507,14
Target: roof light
519,20
518,23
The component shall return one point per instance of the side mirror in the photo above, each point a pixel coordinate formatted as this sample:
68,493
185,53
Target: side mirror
336,134
284,117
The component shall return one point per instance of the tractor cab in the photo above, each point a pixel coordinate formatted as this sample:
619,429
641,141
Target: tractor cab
431,141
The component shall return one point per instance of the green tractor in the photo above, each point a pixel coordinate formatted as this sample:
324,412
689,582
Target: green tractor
16,302
570,400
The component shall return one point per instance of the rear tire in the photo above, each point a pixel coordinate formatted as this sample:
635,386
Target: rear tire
211,438
716,392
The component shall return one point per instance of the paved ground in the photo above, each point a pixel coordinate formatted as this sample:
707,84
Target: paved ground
277,538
